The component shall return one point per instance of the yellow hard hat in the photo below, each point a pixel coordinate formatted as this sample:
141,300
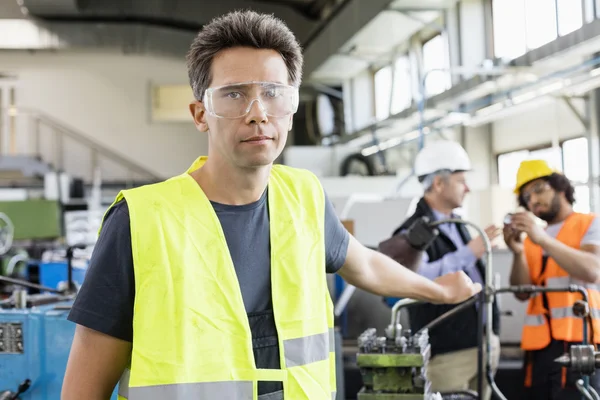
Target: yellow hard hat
530,170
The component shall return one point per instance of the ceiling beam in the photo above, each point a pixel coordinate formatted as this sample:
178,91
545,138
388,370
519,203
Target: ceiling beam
351,17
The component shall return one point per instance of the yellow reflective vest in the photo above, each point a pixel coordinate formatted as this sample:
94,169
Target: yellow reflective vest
191,336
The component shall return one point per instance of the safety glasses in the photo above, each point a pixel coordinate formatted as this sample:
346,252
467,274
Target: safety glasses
236,100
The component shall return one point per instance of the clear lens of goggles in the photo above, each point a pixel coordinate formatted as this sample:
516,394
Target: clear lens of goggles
236,100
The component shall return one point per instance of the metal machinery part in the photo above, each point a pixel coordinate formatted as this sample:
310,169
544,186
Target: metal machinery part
7,232
583,359
393,366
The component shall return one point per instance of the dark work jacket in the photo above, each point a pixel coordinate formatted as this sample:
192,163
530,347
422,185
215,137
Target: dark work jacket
460,331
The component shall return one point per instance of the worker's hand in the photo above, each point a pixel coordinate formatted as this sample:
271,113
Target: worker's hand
457,287
477,245
512,238
525,222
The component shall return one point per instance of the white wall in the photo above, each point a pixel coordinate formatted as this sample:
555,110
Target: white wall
478,146
537,126
106,96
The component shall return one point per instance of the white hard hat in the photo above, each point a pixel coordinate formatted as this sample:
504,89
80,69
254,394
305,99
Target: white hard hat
441,155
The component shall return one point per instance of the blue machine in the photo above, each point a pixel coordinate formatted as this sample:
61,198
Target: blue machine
34,345
36,337
51,274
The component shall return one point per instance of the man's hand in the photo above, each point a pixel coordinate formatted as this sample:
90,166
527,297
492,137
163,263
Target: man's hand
513,240
525,222
456,287
477,245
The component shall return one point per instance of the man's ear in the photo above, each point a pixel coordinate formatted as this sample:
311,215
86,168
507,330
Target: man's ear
199,115
291,122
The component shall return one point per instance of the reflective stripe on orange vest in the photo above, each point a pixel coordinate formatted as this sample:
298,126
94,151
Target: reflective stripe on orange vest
563,325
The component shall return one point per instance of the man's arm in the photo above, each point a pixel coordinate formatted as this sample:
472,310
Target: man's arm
379,274
103,312
96,363
455,261
582,263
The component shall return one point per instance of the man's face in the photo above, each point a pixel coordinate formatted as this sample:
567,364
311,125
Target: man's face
255,139
454,189
541,199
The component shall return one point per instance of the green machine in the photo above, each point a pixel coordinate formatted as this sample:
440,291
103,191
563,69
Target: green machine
393,366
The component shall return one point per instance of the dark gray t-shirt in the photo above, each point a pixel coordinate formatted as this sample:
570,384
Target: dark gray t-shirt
105,301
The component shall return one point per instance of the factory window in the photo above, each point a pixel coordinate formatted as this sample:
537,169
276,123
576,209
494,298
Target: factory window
383,83
571,158
570,16
436,63
509,28
402,95
522,25
540,22
575,156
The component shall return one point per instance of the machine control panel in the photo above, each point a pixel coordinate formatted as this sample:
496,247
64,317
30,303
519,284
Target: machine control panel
11,338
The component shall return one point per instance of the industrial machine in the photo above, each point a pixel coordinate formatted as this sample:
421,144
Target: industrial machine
393,366
35,338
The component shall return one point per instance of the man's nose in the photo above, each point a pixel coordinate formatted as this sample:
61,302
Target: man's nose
256,113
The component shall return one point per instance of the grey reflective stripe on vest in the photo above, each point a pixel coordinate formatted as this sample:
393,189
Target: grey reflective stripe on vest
234,390
333,395
535,320
567,312
307,349
565,281
331,339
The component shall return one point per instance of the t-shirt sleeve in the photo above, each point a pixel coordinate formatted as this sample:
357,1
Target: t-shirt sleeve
336,239
592,236
105,300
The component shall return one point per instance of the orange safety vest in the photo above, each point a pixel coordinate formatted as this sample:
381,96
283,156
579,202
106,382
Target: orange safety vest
558,321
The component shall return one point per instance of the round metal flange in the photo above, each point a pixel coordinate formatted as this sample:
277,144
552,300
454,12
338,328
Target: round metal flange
7,232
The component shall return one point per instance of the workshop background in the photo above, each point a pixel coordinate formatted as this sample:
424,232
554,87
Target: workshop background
94,95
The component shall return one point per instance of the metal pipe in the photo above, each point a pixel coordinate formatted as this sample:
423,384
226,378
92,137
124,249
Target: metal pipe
28,284
396,311
486,300
491,99
584,391
14,260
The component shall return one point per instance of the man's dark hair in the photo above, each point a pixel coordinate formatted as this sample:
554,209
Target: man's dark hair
559,183
241,29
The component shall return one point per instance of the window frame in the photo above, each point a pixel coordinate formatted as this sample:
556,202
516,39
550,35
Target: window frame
595,11
424,40
543,146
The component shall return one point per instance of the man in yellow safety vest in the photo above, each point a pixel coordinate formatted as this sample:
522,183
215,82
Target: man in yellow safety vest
212,284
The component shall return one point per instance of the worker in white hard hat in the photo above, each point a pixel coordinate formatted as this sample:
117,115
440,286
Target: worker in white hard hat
441,167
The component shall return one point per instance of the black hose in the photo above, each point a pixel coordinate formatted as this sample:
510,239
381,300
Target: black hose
461,307
26,284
